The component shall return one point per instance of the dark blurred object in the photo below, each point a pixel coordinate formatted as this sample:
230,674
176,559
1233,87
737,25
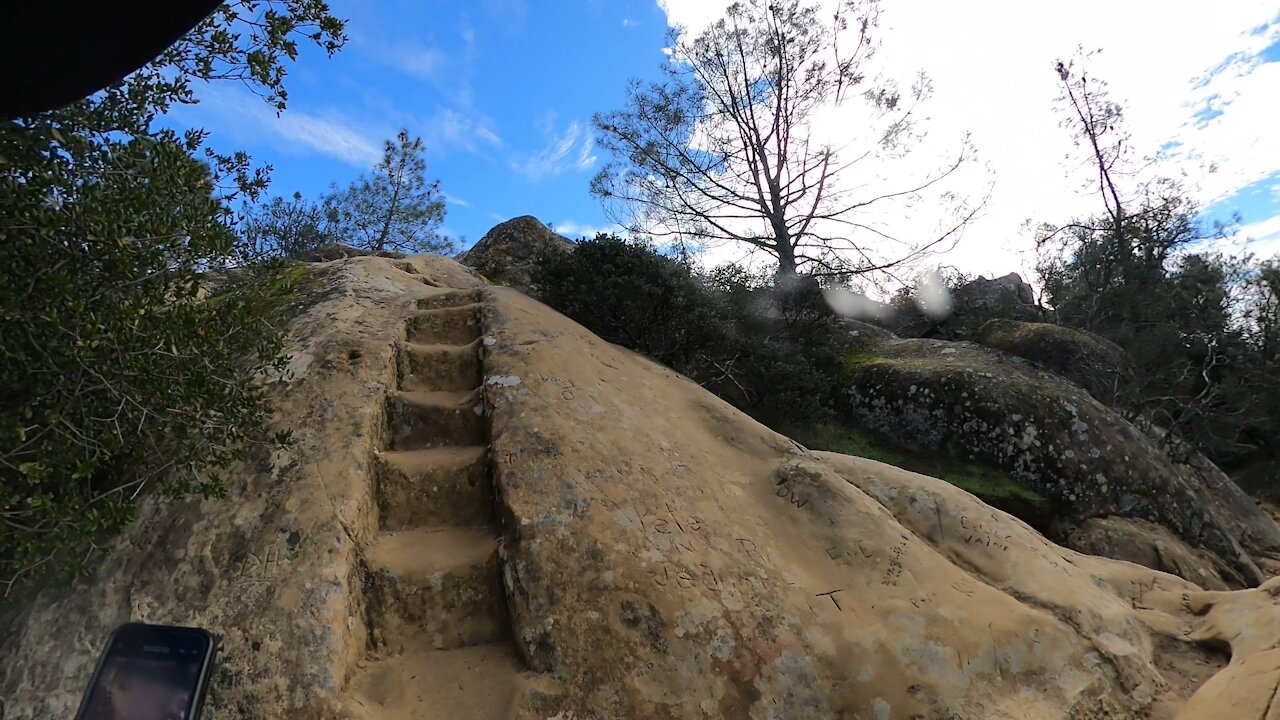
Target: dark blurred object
53,52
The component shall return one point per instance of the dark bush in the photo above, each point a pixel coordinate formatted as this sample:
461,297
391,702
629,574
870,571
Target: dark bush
771,350
788,345
628,294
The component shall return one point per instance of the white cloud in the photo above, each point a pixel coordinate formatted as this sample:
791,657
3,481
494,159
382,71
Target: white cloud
247,118
1261,238
628,22
424,63
574,230
586,160
991,66
449,129
488,136
455,200
559,155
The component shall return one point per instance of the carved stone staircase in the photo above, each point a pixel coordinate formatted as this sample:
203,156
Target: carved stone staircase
440,632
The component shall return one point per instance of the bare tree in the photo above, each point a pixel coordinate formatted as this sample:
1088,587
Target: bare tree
725,147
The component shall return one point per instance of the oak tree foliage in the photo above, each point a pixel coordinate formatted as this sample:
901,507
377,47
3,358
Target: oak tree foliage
117,374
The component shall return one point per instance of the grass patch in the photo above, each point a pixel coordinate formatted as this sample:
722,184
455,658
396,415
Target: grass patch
986,482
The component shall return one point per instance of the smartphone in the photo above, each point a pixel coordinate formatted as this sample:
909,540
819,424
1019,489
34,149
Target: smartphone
150,672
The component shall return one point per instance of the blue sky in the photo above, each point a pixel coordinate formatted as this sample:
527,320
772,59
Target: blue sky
502,91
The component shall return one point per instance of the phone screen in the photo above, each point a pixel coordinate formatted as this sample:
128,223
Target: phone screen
150,672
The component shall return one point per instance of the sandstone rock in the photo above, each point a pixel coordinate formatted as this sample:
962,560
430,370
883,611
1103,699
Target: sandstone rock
1094,363
506,253
1247,623
702,565
1051,436
284,569
609,541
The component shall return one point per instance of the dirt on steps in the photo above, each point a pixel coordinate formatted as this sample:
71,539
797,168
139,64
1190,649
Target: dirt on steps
474,682
439,626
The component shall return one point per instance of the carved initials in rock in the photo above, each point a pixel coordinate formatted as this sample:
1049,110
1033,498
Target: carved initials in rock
784,491
257,569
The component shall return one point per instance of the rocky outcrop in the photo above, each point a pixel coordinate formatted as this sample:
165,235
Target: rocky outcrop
1094,363
491,513
506,253
973,304
1149,545
1050,436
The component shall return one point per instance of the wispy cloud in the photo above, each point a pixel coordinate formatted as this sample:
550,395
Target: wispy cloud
246,118
628,22
586,160
455,200
572,229
569,149
488,136
424,63
449,128
1265,230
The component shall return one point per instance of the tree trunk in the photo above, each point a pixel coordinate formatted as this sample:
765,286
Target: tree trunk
786,256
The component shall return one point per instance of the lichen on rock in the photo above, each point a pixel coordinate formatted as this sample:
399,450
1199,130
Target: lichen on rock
1048,434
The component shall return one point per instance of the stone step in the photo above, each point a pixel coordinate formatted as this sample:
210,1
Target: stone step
439,367
474,683
437,486
451,299
436,588
418,420
458,325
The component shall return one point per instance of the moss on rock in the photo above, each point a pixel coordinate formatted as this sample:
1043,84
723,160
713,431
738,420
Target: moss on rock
989,484
1094,363
1047,434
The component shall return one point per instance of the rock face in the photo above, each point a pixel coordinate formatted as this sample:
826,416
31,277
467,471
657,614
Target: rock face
1052,437
973,304
1149,545
491,513
302,568
1094,363
505,254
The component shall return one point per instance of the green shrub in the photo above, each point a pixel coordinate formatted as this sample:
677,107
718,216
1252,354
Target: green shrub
628,294
790,345
115,375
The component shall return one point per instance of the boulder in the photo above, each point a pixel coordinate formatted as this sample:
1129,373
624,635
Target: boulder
491,513
506,253
1149,545
972,305
1051,436
705,566
1093,362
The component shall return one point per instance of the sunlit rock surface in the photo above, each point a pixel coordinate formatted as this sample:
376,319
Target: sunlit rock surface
491,513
